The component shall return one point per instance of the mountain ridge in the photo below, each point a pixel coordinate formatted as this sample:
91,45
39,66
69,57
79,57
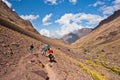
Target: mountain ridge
94,57
108,19
13,17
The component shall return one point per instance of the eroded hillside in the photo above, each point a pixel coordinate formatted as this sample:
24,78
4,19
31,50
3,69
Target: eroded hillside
101,48
9,15
94,57
17,62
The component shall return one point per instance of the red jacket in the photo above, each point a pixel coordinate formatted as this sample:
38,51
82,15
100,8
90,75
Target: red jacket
50,51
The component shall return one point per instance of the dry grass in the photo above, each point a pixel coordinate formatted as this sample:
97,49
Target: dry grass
94,74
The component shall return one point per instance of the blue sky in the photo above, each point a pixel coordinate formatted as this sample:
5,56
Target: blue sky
55,18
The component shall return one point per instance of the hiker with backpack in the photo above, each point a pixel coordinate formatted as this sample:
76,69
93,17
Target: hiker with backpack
51,56
45,49
31,48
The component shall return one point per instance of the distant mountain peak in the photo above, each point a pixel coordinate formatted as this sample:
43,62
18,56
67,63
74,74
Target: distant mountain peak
72,37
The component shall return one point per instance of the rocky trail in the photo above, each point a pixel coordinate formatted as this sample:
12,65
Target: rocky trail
52,75
21,64
31,68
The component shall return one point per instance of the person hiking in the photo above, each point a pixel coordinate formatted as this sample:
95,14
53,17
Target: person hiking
51,56
31,48
45,49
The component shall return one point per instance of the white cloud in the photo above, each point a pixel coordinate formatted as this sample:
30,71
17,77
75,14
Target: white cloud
108,10
8,3
116,2
73,1
45,32
98,3
67,24
71,22
78,18
46,19
29,17
53,2
13,9
91,19
51,34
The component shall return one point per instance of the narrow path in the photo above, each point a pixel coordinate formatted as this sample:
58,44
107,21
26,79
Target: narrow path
21,69
51,74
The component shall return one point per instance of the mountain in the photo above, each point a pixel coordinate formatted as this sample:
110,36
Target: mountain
101,48
8,14
72,37
18,62
10,19
84,31
93,57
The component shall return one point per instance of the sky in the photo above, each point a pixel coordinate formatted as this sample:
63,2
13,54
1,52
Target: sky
55,18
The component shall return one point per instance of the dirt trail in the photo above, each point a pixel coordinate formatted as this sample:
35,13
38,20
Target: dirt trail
22,69
51,73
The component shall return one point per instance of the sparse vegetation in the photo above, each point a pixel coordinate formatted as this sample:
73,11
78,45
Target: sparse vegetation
114,69
95,52
103,64
95,75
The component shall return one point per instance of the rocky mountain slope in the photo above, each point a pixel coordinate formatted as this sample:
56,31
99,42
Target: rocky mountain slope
101,48
16,23
83,60
17,62
72,37
10,15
